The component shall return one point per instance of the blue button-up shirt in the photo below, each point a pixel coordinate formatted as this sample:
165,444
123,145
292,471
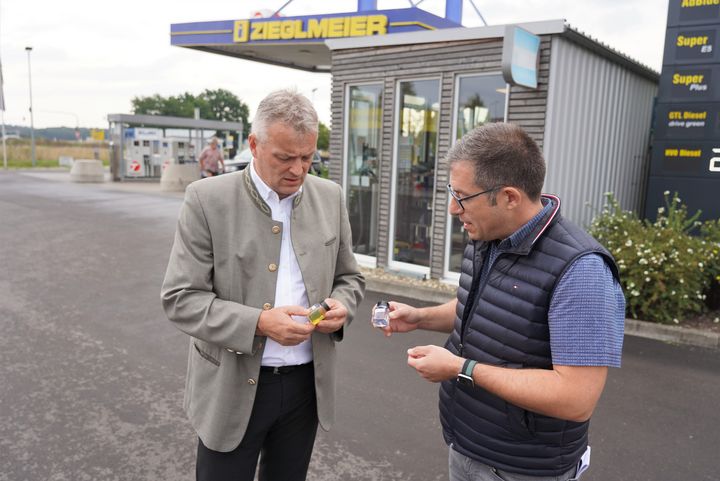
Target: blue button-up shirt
587,310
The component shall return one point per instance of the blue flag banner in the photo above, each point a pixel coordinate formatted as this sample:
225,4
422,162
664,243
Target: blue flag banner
520,57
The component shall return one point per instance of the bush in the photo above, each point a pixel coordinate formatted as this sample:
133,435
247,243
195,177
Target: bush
711,233
667,272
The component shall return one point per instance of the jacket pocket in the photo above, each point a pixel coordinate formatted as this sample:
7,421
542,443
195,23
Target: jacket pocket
205,355
331,241
521,421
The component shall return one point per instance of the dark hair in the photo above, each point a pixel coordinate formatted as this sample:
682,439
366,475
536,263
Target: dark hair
502,155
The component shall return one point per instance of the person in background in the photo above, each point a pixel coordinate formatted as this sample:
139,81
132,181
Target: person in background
211,159
253,249
537,321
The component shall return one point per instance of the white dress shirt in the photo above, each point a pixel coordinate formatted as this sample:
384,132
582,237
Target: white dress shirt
290,288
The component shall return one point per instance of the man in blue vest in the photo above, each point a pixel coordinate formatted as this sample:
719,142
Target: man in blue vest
537,321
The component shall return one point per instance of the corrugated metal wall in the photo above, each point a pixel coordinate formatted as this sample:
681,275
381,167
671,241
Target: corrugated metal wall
596,131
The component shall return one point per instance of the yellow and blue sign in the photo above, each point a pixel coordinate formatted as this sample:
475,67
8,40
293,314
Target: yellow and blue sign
306,29
313,28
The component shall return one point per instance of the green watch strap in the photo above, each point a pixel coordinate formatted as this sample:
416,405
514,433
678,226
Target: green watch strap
468,367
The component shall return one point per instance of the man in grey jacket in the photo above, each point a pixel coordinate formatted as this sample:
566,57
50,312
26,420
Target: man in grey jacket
252,251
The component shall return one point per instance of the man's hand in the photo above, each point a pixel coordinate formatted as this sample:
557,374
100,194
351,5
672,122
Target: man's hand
334,318
280,327
434,363
402,317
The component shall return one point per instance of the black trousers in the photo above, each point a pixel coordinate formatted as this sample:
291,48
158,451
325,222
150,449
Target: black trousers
281,432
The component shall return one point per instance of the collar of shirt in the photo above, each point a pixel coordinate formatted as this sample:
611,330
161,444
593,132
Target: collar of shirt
486,253
517,237
269,196
290,287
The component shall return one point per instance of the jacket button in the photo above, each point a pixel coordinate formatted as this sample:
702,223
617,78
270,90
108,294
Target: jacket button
276,229
267,306
272,267
251,381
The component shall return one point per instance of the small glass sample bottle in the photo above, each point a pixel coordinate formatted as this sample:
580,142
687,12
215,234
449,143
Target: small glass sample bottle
317,312
380,314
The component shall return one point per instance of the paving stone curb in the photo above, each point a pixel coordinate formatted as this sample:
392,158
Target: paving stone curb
673,334
426,294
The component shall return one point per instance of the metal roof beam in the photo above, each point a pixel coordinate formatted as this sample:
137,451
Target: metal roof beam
174,122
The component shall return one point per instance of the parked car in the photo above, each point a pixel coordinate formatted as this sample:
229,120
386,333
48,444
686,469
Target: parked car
239,162
242,160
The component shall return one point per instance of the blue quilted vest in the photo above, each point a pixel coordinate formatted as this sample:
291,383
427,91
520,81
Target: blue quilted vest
507,326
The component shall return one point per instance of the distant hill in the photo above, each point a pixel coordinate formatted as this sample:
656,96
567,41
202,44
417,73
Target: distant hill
51,133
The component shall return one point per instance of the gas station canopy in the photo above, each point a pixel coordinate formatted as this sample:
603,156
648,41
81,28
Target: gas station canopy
299,42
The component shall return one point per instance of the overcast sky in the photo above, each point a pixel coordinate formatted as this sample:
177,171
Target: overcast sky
90,58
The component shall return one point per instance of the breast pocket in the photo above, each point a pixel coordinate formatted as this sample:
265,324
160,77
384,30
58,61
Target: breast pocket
331,251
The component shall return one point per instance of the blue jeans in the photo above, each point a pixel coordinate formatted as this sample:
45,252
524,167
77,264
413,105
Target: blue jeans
463,468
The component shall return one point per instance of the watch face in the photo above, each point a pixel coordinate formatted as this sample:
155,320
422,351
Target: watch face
465,380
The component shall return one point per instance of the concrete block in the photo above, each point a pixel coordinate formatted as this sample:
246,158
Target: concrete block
176,177
84,170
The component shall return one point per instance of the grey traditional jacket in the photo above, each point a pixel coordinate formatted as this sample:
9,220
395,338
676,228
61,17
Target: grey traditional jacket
222,273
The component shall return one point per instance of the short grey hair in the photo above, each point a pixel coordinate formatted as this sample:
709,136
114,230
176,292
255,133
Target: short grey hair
502,155
288,107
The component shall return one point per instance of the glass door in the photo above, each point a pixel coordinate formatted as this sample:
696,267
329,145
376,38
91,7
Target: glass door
362,146
414,174
479,99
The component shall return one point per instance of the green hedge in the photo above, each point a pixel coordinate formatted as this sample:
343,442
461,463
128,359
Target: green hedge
670,268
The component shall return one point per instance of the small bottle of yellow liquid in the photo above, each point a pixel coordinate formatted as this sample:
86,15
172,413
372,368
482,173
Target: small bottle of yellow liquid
317,312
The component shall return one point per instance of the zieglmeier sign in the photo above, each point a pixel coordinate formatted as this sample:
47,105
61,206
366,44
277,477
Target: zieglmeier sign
312,28
305,29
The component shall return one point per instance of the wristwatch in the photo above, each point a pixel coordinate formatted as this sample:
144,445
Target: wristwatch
465,376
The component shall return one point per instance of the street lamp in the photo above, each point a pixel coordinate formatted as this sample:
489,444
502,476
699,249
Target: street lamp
32,124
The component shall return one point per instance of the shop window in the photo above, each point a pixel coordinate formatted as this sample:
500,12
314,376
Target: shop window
416,144
479,99
363,166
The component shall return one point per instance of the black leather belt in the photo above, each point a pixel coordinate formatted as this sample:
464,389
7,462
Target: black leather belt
283,369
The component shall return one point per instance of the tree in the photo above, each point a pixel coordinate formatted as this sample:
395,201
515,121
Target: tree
184,105
153,105
323,142
219,104
226,106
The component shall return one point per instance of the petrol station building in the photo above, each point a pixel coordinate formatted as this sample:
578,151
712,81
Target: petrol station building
407,84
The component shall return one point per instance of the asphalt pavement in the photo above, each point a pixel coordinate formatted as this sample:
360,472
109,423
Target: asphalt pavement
92,373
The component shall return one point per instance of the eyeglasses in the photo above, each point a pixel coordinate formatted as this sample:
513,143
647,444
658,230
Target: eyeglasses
460,200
